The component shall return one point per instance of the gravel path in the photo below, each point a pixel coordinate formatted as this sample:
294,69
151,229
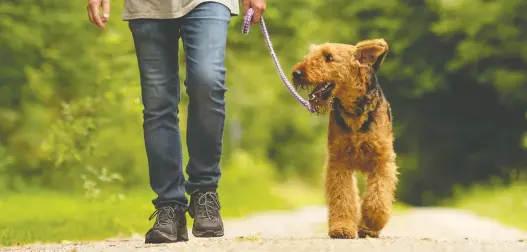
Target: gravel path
422,230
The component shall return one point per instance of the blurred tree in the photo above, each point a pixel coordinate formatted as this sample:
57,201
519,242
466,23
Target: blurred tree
70,99
55,70
456,79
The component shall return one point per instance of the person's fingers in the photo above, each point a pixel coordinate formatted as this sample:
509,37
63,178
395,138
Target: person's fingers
90,17
246,4
259,9
256,17
94,8
105,10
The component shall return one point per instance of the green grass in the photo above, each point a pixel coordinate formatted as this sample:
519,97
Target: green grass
504,203
400,207
53,217
46,216
247,186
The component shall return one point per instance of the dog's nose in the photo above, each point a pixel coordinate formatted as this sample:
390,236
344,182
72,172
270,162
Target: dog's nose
297,74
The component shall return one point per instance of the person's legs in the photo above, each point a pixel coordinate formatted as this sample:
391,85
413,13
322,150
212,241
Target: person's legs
204,35
156,44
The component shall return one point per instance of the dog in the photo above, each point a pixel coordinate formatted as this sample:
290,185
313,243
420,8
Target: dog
342,79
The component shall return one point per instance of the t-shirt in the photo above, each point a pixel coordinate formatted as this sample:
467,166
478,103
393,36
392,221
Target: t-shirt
165,9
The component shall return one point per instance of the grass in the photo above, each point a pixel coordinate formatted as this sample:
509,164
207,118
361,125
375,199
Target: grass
53,217
247,186
504,203
47,216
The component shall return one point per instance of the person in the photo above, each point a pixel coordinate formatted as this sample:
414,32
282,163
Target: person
156,27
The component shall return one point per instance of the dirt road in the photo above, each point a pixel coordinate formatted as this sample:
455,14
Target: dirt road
422,230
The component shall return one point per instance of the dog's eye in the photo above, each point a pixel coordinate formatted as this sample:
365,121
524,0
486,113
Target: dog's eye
328,57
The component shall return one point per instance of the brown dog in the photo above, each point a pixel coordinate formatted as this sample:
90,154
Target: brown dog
342,78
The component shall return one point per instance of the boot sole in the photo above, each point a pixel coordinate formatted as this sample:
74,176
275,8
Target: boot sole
207,233
157,237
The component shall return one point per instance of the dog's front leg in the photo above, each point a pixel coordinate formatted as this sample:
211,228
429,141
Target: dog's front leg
378,199
343,200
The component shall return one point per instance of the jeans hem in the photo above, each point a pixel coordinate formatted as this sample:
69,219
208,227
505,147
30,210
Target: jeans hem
195,189
159,204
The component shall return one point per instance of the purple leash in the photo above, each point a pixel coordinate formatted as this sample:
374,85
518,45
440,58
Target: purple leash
245,29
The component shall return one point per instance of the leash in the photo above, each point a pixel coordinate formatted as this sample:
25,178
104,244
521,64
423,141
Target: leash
245,30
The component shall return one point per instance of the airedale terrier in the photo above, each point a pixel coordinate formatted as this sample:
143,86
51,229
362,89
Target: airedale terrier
342,78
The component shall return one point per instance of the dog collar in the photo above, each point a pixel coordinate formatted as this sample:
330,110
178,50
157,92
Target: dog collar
367,103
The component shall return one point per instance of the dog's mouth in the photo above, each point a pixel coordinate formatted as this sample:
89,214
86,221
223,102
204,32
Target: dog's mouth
321,92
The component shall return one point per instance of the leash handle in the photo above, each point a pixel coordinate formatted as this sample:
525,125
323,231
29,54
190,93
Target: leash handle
245,30
247,21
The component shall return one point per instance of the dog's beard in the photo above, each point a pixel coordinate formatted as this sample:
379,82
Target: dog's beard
321,107
320,95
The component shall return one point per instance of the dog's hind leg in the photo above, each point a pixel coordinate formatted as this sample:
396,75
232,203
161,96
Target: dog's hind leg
378,199
343,200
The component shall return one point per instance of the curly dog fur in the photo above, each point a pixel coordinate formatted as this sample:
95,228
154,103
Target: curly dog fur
342,78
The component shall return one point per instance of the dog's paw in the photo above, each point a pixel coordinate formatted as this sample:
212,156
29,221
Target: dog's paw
365,232
342,233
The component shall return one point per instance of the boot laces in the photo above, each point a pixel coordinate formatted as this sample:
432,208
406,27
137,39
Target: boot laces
164,215
208,205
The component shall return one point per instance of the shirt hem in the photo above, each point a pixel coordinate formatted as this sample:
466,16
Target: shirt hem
127,17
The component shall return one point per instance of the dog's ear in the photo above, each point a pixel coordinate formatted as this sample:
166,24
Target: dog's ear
372,52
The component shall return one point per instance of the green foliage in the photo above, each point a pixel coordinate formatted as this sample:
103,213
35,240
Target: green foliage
60,96
455,78
70,99
504,202
50,216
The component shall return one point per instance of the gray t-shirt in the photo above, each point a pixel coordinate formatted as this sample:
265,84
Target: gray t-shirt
165,9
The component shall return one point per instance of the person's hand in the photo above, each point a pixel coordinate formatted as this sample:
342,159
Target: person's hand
94,15
258,8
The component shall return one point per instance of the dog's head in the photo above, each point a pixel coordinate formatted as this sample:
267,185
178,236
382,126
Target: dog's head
338,70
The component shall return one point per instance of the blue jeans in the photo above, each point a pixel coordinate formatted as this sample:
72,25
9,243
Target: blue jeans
203,32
